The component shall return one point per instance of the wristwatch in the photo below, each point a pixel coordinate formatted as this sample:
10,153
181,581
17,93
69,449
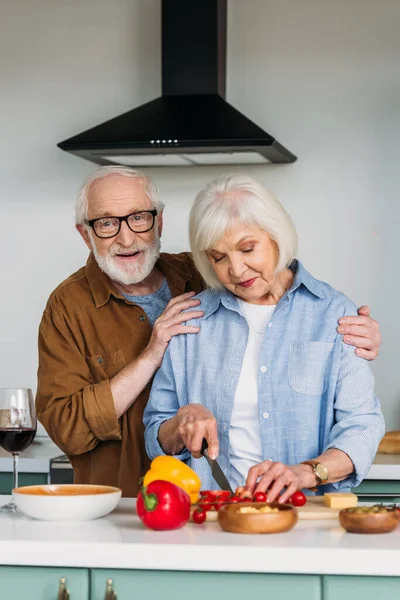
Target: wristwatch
320,472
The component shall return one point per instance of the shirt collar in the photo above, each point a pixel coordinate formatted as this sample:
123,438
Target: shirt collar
212,299
102,287
303,277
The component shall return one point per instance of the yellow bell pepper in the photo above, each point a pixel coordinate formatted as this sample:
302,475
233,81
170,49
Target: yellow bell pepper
169,468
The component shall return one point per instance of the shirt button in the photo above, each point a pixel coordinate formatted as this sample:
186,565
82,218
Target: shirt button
142,318
269,324
99,360
263,369
265,415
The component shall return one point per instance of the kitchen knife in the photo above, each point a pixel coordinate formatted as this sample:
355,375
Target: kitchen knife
216,470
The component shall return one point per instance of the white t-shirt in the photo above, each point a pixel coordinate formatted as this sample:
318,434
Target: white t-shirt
244,433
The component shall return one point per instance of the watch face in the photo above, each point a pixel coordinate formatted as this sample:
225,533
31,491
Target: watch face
322,472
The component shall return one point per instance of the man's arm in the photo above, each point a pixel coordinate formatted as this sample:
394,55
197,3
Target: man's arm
130,381
76,413
362,332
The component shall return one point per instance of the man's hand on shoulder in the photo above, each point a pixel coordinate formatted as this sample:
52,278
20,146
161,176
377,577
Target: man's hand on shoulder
362,332
170,323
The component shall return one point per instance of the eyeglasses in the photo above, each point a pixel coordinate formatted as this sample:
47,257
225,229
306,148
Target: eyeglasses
138,222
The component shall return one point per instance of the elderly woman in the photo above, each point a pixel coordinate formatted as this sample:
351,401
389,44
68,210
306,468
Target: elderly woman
282,402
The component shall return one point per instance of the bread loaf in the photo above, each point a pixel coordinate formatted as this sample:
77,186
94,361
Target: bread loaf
390,443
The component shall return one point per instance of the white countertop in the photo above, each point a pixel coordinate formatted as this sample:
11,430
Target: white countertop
385,466
121,541
35,459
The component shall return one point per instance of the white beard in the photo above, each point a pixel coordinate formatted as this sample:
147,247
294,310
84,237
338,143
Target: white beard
131,273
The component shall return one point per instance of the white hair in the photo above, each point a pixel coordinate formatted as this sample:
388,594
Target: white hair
233,199
81,206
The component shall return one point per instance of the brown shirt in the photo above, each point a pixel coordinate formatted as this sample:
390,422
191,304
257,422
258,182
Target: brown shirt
87,334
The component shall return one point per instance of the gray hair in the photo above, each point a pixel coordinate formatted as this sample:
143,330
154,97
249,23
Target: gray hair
233,199
81,206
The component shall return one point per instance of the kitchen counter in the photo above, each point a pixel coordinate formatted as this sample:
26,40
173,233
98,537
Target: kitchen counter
120,541
35,459
385,466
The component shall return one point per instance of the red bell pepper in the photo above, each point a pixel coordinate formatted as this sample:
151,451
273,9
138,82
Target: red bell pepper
163,505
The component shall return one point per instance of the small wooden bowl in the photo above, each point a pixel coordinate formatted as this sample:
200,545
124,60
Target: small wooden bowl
369,522
230,519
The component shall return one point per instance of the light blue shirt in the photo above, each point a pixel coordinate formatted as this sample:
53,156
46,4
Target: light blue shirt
153,304
314,392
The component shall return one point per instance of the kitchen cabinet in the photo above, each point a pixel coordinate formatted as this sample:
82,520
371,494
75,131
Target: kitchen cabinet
43,583
378,490
6,480
127,584
368,588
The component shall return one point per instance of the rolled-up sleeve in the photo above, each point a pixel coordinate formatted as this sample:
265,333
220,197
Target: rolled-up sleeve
76,413
359,423
166,397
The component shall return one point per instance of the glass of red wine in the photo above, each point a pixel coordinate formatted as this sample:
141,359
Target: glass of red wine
17,427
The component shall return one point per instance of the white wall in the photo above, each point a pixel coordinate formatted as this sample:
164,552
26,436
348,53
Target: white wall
321,75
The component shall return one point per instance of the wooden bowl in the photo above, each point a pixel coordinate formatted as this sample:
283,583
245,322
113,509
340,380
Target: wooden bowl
231,519
369,522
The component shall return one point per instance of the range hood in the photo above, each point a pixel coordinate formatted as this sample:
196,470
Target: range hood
191,123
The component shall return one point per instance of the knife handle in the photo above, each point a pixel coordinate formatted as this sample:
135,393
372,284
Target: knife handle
204,446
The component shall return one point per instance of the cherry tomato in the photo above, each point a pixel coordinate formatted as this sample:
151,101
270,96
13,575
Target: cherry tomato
199,516
298,499
205,496
247,499
218,495
234,499
206,506
260,497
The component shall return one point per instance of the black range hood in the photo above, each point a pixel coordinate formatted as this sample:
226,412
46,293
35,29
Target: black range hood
191,123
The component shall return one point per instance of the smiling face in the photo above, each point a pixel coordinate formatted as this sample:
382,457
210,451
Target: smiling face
244,260
129,257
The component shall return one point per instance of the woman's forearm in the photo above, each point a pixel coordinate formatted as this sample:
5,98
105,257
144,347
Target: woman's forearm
169,437
338,463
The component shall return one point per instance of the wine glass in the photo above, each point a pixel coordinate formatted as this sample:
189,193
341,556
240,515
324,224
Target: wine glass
17,427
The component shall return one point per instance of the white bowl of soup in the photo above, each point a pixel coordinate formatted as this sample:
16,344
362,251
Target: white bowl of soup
66,502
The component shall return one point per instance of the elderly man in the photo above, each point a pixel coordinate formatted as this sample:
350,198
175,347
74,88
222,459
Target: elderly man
105,329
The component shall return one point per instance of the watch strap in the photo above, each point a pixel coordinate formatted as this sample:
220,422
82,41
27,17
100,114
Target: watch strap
313,464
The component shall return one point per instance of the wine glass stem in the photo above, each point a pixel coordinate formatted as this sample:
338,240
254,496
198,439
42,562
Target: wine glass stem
15,470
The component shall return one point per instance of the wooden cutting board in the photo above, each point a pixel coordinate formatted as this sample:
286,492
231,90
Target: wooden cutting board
316,509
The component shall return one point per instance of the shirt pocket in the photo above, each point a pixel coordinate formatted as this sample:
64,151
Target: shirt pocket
308,367
105,366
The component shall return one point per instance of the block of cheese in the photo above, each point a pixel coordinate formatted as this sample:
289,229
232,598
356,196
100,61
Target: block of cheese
340,500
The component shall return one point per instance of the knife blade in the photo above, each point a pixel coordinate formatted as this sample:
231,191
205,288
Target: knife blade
216,470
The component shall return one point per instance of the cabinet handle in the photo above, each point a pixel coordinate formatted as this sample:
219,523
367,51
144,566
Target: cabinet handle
110,594
63,593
